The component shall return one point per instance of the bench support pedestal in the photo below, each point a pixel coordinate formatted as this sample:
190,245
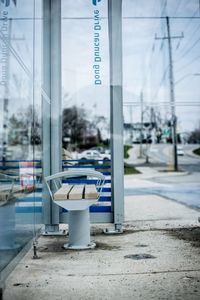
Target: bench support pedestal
79,230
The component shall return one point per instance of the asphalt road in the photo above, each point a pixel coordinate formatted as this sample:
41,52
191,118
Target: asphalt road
188,195
186,162
184,189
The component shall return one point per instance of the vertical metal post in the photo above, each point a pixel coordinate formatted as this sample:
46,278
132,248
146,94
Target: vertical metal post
116,109
141,129
46,112
171,80
56,129
51,109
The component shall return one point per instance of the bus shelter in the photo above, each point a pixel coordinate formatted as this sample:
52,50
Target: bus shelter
113,211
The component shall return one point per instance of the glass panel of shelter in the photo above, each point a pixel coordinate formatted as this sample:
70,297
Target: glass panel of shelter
20,127
86,93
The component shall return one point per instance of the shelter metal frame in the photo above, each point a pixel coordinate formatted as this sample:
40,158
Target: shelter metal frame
51,113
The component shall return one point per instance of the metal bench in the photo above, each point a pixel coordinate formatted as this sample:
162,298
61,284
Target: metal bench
76,199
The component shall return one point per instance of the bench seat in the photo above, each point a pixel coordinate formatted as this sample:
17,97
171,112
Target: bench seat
76,199
76,192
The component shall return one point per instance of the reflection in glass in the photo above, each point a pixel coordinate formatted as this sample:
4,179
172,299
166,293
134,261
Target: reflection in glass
20,125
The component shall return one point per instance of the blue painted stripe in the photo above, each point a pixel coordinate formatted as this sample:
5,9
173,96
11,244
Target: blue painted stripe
18,167
38,209
106,173
95,209
105,199
100,209
29,199
86,167
83,181
105,189
9,167
31,209
17,161
86,160
8,181
68,160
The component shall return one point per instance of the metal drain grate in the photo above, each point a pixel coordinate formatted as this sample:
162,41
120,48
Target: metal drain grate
139,256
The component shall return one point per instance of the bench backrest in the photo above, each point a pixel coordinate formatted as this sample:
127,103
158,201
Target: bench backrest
54,182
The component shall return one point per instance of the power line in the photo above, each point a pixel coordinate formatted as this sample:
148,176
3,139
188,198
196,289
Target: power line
183,77
187,28
164,103
165,72
177,7
193,34
164,8
161,82
161,17
91,18
185,66
188,50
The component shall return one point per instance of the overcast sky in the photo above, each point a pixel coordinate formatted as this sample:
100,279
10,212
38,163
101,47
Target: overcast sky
145,60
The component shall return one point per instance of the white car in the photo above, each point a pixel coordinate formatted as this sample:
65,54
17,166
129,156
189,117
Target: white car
180,150
93,154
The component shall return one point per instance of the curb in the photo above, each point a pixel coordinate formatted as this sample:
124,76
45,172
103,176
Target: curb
191,154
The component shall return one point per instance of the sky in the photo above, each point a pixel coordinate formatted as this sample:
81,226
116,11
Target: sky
145,60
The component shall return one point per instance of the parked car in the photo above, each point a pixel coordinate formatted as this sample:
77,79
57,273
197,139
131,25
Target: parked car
93,154
180,150
106,155
101,150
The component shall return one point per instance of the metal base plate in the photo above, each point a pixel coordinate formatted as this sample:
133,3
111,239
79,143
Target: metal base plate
80,247
112,231
55,233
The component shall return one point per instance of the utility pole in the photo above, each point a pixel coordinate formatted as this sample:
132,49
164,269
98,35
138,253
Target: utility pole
141,128
131,124
172,99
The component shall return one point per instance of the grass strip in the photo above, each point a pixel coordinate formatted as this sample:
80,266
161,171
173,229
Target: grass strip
197,151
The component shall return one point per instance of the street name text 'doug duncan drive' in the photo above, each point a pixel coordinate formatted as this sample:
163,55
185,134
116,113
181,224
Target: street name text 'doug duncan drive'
97,57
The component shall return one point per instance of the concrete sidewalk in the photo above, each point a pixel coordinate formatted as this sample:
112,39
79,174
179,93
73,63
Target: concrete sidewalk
164,229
